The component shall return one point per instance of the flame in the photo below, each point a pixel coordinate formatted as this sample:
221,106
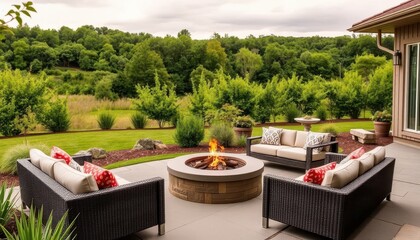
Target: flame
213,146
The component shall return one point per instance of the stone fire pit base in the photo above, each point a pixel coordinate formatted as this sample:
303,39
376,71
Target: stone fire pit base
215,186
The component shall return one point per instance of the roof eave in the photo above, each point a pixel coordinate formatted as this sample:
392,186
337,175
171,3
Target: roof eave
378,23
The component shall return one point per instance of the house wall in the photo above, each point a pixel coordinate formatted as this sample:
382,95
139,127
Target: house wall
403,35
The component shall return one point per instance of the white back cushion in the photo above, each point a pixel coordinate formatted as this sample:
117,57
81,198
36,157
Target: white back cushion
75,181
288,137
301,138
341,175
367,161
378,153
46,163
36,155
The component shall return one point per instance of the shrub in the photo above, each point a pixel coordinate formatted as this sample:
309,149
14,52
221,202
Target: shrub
321,113
8,161
103,89
240,141
19,93
333,130
291,112
106,120
243,122
6,204
55,116
223,133
138,120
32,228
189,131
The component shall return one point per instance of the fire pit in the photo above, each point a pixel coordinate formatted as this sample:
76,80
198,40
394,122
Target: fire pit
234,178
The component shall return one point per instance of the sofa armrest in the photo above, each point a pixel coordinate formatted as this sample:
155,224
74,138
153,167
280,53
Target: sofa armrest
334,157
333,144
249,143
81,158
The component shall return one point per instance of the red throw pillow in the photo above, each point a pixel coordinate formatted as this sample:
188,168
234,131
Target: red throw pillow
103,177
58,153
357,153
316,175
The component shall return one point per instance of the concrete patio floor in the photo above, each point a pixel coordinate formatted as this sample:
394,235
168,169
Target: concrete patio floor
243,221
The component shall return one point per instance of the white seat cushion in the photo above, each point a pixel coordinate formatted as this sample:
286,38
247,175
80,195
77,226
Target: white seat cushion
298,153
341,175
265,149
288,137
75,181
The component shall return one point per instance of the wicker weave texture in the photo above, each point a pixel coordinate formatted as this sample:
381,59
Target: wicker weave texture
333,213
106,214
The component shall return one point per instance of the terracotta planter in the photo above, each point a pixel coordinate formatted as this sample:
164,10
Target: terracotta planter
382,128
243,131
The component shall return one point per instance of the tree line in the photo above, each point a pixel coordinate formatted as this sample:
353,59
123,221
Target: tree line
179,61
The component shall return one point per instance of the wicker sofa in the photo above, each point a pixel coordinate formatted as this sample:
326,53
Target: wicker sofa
105,214
290,152
330,212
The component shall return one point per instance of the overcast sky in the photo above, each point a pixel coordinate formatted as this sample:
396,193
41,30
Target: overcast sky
204,17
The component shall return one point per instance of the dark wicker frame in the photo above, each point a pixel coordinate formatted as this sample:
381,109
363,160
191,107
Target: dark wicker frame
106,214
292,162
330,212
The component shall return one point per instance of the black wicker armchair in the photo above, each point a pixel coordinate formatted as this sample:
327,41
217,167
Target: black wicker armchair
330,212
105,214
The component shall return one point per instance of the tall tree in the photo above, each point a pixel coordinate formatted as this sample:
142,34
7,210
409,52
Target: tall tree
248,62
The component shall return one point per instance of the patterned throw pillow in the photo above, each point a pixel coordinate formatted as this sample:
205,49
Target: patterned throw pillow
353,155
314,139
271,136
103,177
316,175
58,153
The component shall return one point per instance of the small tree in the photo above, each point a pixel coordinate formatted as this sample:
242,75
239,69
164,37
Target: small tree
55,116
201,99
158,102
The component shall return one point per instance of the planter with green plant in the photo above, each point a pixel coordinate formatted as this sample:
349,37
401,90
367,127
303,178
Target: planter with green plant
382,123
242,125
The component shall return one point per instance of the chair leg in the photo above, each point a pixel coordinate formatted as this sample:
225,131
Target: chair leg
161,229
388,198
265,222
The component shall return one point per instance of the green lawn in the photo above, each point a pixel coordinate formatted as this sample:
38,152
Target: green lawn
125,139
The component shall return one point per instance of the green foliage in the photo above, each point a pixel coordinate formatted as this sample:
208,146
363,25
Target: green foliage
103,89
227,113
223,133
243,122
138,120
106,120
379,90
8,162
7,202
31,228
158,102
202,97
216,57
382,116
19,93
267,104
290,92
15,15
248,62
189,131
330,128
240,141
291,112
55,116
366,64
144,66
322,112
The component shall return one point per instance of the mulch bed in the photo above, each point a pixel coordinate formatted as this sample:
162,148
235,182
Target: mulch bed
346,144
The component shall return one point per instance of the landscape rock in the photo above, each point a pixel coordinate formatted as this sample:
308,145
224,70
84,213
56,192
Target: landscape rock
149,144
97,153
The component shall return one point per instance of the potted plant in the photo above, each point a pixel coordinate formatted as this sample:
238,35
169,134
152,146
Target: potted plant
242,125
382,123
